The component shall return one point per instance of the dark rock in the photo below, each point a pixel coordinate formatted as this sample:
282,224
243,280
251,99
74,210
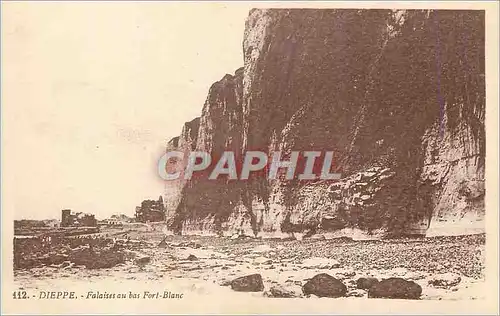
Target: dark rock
324,285
248,283
163,243
366,283
106,258
192,258
192,268
395,288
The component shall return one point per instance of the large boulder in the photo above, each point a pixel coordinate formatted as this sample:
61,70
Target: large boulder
396,288
248,283
324,285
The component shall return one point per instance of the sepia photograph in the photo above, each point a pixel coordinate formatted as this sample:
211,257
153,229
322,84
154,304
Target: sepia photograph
220,157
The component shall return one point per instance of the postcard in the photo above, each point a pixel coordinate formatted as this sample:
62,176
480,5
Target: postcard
255,158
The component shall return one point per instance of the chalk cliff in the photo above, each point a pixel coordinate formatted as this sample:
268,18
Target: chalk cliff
398,95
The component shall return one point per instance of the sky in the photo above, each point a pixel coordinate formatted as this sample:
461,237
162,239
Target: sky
92,91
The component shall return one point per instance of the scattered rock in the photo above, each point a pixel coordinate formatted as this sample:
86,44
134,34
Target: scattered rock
241,236
251,255
445,279
103,259
356,293
194,245
345,274
262,260
366,283
396,288
67,265
320,263
185,244
192,268
53,259
248,283
283,291
324,285
350,283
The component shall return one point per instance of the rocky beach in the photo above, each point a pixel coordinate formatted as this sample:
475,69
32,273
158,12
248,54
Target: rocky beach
444,268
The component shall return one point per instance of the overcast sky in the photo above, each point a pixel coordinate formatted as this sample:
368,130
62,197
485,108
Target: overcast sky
92,92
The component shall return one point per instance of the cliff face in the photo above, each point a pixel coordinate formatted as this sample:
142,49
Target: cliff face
201,204
399,96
